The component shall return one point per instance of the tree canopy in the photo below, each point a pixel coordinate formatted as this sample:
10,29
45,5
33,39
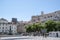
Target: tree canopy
34,27
50,25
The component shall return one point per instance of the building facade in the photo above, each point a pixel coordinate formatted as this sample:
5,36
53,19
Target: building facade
21,27
54,34
5,26
44,17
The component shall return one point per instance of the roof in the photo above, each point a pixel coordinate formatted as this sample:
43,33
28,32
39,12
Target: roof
3,19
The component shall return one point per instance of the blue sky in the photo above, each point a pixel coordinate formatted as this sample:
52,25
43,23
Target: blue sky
24,9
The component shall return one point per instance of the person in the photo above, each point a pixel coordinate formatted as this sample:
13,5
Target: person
56,34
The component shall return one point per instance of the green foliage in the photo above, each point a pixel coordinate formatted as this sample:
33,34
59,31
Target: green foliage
52,25
49,25
57,26
34,27
28,28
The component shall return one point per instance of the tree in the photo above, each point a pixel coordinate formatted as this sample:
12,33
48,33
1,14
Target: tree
28,28
50,25
34,27
39,27
57,26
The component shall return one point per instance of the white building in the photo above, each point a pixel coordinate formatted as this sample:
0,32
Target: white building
5,26
54,34
44,17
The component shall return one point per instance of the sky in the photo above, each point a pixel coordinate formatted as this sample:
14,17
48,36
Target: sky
23,10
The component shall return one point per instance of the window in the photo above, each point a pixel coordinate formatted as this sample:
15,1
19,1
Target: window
33,20
6,27
50,16
44,17
6,24
3,24
2,27
2,30
55,17
24,24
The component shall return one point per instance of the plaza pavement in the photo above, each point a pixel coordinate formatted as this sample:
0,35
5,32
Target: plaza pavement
30,38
